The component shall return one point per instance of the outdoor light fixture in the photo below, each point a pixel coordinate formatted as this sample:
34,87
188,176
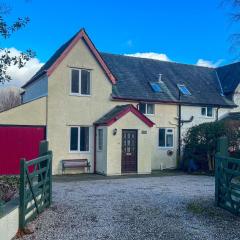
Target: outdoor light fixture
114,131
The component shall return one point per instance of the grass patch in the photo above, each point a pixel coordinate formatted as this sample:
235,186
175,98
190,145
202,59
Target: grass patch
195,208
202,208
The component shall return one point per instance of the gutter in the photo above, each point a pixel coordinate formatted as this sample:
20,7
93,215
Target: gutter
115,98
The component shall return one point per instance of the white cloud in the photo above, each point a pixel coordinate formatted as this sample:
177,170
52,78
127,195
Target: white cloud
207,63
22,75
152,55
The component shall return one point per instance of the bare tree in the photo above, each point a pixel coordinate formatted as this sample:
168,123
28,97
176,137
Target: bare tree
234,18
9,99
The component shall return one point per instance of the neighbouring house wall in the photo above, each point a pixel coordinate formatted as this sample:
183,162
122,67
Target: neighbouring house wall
195,111
114,149
37,89
31,113
101,155
236,99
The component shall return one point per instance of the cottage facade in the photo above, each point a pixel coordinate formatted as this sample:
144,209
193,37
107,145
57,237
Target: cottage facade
121,113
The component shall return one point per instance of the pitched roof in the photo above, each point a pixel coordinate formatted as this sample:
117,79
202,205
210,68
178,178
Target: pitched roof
229,77
58,56
119,111
134,76
131,77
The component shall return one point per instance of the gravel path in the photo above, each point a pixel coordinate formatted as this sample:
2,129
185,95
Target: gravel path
170,207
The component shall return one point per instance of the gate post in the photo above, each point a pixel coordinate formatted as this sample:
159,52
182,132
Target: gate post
22,196
222,150
222,146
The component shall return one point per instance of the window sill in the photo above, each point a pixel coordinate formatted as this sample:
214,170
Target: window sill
79,95
80,152
165,148
147,114
202,116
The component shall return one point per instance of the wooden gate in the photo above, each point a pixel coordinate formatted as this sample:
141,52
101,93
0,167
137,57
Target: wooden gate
35,185
227,179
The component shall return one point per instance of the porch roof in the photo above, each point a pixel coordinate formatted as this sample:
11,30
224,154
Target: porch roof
119,111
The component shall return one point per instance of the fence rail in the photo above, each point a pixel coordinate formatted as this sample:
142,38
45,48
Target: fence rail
35,185
227,180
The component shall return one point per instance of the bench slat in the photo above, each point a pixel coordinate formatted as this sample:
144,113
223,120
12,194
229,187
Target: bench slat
75,163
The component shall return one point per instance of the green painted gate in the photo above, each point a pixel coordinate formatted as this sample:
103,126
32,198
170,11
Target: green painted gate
227,179
35,185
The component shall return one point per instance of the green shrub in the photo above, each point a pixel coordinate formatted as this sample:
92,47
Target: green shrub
200,144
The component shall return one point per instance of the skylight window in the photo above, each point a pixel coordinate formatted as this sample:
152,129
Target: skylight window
183,89
155,87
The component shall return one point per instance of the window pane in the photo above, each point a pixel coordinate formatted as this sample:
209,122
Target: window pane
150,108
74,139
75,81
142,108
84,139
169,140
203,111
161,139
100,139
85,82
209,111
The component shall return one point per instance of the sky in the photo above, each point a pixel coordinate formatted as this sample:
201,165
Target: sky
186,31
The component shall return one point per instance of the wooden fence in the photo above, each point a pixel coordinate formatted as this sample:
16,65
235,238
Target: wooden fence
227,179
35,185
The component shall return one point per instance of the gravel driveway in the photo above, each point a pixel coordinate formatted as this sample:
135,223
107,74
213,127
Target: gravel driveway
169,207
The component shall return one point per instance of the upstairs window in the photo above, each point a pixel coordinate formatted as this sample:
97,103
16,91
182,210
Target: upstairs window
80,82
207,111
165,137
146,108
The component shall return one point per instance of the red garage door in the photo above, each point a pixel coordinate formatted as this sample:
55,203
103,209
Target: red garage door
18,142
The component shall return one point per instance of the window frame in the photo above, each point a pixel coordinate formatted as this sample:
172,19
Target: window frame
206,112
184,90
147,114
98,135
172,134
79,139
80,82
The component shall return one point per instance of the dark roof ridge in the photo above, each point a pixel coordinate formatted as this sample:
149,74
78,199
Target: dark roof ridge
152,59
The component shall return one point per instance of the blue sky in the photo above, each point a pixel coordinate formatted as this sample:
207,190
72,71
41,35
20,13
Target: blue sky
185,31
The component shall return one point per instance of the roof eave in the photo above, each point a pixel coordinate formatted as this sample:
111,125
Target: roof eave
116,98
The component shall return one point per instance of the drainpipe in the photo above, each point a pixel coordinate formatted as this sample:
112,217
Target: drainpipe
179,129
95,152
217,113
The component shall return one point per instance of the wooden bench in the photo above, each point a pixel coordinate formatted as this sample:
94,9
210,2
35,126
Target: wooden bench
75,163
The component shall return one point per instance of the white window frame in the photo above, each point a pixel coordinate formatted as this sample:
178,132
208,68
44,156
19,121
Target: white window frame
101,129
147,114
80,75
78,150
206,116
166,147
